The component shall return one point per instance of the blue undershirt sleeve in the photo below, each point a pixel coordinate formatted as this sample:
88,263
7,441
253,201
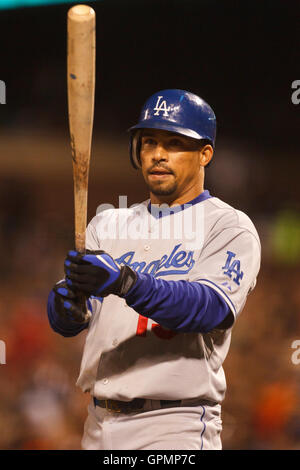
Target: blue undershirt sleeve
64,328
181,306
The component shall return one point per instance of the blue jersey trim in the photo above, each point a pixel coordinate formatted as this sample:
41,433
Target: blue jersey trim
158,213
204,426
216,285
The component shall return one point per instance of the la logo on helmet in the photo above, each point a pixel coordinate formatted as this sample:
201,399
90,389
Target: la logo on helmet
161,106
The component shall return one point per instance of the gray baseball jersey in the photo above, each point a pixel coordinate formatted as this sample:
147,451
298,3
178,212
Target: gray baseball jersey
127,355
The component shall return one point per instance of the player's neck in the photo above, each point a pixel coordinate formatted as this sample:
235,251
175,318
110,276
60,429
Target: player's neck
184,197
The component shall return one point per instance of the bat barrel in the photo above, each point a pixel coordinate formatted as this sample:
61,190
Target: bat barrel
81,92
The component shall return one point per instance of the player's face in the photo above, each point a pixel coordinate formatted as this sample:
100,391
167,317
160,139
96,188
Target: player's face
170,162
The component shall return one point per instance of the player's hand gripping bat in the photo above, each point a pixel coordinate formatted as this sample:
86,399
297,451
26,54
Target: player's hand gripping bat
81,91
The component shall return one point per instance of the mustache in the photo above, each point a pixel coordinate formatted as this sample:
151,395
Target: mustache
160,167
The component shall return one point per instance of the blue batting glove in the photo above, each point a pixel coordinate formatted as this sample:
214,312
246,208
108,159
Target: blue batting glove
96,273
67,304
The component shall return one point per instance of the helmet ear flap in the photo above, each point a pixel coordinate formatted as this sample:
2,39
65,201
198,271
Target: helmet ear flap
135,148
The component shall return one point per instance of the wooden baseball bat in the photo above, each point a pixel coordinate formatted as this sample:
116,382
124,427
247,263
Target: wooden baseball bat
81,93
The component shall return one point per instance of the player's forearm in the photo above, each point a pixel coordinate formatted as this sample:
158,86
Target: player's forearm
178,305
60,326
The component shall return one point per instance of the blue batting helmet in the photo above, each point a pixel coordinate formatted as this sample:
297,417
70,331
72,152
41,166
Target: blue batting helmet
176,111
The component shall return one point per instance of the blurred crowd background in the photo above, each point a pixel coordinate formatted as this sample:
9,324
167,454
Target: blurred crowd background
242,60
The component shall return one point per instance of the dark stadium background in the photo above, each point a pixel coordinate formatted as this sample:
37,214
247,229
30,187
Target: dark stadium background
241,57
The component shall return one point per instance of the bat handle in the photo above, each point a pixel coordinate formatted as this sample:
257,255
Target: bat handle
80,247
82,305
80,241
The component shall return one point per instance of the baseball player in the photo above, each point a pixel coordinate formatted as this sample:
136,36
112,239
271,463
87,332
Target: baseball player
165,281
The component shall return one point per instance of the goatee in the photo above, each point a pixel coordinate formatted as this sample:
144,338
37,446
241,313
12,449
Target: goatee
158,190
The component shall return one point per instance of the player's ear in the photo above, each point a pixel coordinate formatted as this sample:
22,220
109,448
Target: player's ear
205,154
